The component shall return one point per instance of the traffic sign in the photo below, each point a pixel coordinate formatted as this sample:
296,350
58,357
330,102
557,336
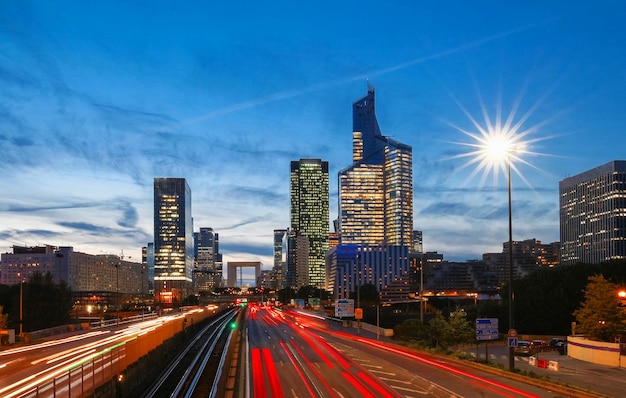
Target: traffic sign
512,332
344,308
487,329
512,341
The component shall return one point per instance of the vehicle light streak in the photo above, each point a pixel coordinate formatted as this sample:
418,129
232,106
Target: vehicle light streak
446,367
338,357
297,368
52,343
314,347
374,385
317,373
362,390
258,379
272,375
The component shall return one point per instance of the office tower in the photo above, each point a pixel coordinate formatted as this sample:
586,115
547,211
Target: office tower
207,261
418,243
173,240
279,272
309,221
376,191
593,215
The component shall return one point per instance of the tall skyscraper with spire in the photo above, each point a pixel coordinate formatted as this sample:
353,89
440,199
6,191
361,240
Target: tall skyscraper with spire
376,191
309,215
173,240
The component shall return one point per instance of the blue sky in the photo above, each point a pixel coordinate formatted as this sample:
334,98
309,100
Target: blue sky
98,98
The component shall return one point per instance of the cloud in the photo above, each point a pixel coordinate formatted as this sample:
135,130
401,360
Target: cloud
259,250
129,215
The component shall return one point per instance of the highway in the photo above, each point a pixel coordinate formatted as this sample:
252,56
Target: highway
295,354
286,353
24,369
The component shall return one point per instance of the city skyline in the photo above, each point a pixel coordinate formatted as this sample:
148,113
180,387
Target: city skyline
100,99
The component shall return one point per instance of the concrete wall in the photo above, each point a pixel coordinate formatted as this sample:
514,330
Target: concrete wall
595,351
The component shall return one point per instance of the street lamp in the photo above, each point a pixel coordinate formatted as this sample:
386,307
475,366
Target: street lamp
511,295
21,303
495,150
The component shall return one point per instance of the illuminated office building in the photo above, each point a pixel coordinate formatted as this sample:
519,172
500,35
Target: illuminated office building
207,273
173,240
309,218
279,272
593,215
376,191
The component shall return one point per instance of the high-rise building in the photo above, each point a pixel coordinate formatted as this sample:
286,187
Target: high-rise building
173,240
593,215
279,271
147,258
207,273
376,191
309,217
418,242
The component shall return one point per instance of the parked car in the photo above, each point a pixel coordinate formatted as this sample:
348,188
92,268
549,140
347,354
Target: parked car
554,342
561,347
539,345
524,348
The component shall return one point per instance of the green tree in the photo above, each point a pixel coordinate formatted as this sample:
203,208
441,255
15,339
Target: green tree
286,294
463,331
600,316
441,331
45,303
367,294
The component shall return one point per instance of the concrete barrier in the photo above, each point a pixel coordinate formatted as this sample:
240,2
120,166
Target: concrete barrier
532,361
553,365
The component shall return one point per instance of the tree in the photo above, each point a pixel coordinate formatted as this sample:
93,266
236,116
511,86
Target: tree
3,318
367,294
45,303
600,316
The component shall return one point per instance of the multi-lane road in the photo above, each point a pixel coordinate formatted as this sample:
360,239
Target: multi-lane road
295,354
284,353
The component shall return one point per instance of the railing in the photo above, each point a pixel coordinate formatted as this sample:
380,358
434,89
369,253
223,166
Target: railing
83,379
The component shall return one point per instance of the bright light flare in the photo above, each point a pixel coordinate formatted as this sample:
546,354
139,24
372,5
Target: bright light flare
497,144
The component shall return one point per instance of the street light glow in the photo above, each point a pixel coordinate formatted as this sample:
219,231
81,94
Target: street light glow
496,148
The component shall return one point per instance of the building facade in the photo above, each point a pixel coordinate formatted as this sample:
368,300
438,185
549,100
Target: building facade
309,221
593,215
173,240
279,270
103,281
375,217
385,267
376,191
207,273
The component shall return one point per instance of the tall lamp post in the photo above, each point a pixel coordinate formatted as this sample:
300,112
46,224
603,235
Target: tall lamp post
21,304
511,295
497,145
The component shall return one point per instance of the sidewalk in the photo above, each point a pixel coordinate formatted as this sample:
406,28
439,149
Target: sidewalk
604,380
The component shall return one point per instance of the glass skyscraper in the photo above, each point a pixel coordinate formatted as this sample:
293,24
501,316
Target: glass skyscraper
593,215
376,191
173,240
309,219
